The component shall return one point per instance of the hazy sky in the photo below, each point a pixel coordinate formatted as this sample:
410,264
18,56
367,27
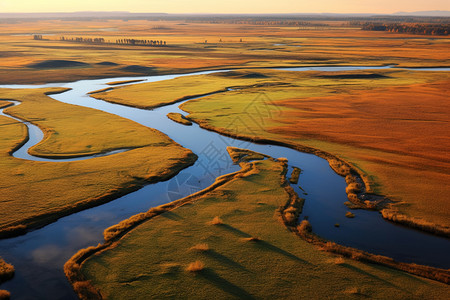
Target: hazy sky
225,6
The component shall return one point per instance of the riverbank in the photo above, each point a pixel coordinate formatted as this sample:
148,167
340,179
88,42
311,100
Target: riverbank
233,232
262,102
309,118
6,273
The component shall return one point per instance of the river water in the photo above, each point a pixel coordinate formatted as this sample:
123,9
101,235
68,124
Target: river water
40,255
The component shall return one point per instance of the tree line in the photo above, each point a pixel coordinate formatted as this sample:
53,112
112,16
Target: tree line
141,42
413,28
153,43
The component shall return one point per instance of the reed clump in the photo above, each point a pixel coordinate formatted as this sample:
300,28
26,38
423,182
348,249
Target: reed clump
349,214
304,227
195,267
200,248
350,179
6,271
291,214
339,261
216,221
353,187
340,167
4,295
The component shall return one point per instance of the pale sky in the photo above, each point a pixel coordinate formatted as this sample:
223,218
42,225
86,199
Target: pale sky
225,6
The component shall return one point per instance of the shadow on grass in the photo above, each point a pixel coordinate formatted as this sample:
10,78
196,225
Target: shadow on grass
356,269
262,244
223,284
223,259
268,246
234,230
171,215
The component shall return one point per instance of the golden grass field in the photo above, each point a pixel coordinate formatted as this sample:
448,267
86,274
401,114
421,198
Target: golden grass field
231,243
261,46
34,193
154,94
389,124
393,129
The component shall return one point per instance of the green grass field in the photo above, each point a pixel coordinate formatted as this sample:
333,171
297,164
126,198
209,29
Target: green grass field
230,243
35,193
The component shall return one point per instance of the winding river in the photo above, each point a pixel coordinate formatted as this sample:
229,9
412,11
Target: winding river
39,255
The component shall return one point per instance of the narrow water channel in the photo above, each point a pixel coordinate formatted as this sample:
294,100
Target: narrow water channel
40,255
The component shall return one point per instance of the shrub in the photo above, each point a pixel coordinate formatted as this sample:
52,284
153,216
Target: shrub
6,270
353,188
353,198
339,261
216,221
304,226
195,267
349,214
350,179
4,295
200,248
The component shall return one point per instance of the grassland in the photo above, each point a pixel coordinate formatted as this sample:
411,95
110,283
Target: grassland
392,128
230,242
35,193
24,60
154,94
370,119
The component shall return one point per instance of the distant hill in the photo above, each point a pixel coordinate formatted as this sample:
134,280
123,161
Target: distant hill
130,15
79,14
428,13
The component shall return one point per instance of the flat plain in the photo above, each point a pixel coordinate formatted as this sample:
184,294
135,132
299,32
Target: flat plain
390,126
